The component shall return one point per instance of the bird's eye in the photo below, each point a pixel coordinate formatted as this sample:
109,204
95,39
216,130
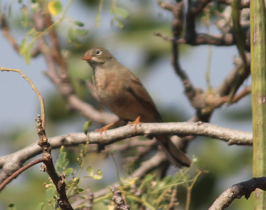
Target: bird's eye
98,52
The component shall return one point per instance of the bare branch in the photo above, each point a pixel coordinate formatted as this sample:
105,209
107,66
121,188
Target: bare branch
118,199
19,171
12,162
237,191
42,108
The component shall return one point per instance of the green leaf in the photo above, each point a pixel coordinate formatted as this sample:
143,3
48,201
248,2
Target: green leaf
50,194
76,180
86,127
121,12
31,32
79,23
70,35
79,190
62,157
62,149
65,164
98,16
40,206
26,52
11,206
55,7
98,19
61,162
119,23
90,171
81,32
106,202
98,175
68,171
23,46
25,17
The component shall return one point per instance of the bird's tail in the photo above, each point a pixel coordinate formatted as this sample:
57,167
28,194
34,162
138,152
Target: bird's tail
174,154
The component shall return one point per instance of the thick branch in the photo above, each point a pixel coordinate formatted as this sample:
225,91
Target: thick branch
204,39
13,162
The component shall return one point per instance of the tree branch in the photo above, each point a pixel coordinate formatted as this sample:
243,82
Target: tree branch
118,199
237,191
13,162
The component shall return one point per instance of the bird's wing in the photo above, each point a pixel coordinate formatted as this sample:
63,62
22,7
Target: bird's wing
141,94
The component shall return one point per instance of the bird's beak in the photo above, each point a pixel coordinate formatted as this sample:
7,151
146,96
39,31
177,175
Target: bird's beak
87,57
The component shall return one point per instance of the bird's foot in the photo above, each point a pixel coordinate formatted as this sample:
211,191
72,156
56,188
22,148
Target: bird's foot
103,129
135,123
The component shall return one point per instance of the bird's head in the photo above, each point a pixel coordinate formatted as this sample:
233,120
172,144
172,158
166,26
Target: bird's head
97,55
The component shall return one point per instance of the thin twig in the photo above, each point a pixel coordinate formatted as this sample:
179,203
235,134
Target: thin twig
19,171
34,88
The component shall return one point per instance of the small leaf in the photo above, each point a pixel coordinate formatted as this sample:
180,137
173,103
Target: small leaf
81,32
11,206
26,54
31,32
79,190
70,35
40,206
76,180
25,16
65,164
23,46
62,157
79,23
62,149
90,171
119,23
68,171
86,127
55,7
98,16
98,19
98,175
50,194
121,12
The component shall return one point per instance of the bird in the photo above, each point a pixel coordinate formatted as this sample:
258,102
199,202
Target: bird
119,90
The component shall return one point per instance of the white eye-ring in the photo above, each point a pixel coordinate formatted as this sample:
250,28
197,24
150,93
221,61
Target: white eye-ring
98,52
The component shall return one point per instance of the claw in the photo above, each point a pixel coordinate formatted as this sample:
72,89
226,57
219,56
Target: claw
135,123
104,129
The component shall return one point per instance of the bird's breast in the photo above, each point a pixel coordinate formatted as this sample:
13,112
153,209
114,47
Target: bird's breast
108,87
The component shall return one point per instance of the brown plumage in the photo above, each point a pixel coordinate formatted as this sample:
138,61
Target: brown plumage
122,92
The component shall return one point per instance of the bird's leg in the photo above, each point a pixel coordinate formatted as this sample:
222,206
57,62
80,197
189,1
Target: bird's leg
104,129
135,123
